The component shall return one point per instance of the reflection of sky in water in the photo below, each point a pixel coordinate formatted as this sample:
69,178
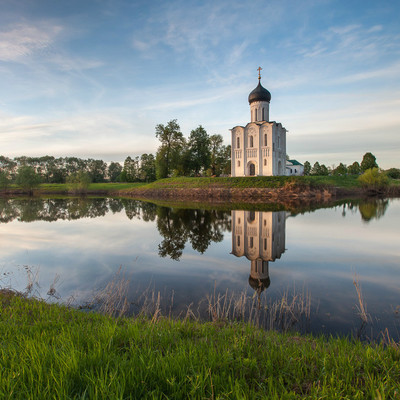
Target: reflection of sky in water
323,251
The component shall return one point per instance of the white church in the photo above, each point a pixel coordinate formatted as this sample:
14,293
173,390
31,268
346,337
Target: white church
259,148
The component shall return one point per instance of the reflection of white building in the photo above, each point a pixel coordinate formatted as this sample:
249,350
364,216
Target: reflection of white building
260,237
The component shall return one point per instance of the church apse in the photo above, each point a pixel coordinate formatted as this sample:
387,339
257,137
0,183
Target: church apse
260,237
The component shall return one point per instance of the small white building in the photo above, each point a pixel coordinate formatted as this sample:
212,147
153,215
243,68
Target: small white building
293,167
259,148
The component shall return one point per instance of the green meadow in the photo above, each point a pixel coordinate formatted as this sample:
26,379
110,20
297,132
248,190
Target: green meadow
55,352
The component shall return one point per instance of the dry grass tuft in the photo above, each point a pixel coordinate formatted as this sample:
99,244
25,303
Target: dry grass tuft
281,314
112,300
361,307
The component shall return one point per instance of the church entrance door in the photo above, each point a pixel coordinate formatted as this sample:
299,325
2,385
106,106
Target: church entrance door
252,169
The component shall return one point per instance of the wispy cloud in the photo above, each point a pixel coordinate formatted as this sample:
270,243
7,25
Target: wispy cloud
88,134
24,39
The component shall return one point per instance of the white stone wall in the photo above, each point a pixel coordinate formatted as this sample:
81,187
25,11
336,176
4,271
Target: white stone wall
269,159
297,170
259,111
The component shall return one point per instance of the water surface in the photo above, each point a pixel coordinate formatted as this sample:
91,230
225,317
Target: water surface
75,246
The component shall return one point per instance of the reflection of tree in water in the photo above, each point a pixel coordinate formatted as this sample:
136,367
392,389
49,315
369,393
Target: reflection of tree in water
36,209
139,209
7,211
200,227
171,228
29,210
176,226
371,209
116,205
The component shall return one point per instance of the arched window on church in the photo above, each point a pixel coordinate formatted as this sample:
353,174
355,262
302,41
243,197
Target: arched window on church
238,142
251,217
251,243
251,141
238,163
265,139
265,162
238,241
263,119
256,114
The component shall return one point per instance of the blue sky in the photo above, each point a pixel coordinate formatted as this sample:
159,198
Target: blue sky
92,78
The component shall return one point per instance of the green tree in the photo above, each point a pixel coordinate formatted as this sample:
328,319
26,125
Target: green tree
79,182
97,170
27,178
354,169
169,153
226,160
368,162
130,172
4,180
324,171
199,150
340,170
219,156
9,166
147,168
316,169
114,171
73,165
393,173
307,168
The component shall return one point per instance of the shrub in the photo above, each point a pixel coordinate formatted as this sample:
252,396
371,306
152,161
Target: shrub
79,182
27,178
373,179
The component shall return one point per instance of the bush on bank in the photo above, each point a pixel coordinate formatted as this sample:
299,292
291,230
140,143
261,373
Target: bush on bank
51,351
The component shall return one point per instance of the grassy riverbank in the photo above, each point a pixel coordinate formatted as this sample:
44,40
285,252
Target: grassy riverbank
229,189
272,182
49,351
257,182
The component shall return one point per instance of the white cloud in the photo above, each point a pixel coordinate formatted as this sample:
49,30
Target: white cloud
23,40
105,134
386,72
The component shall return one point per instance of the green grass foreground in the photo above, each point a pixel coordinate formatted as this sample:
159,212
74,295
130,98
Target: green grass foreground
54,352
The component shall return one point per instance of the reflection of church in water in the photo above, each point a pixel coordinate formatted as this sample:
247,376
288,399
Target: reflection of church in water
260,237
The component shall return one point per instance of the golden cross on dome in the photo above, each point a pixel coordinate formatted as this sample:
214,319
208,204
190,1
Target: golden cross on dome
259,72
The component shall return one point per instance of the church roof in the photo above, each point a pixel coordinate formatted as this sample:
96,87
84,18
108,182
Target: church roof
259,94
295,162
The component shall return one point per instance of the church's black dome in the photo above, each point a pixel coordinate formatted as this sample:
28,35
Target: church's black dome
259,284
259,94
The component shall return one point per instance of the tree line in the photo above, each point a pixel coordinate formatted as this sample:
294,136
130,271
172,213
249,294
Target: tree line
57,170
200,154
368,162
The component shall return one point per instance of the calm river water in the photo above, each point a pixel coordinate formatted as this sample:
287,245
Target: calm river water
72,247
